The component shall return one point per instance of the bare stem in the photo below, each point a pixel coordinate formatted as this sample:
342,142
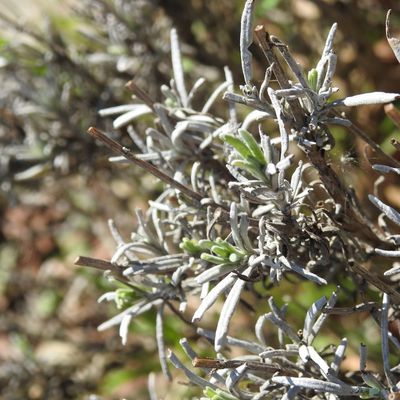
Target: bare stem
359,132
125,152
266,47
135,89
376,281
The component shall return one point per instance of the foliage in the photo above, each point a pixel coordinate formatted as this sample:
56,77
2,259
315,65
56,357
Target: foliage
248,206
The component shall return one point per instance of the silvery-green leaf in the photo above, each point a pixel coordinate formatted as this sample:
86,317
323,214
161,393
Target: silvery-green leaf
295,181
390,212
233,218
233,379
215,272
246,38
195,88
108,296
271,353
301,271
192,355
118,109
151,386
385,340
124,119
322,318
393,41
137,309
339,356
193,378
231,105
212,296
258,328
322,63
318,385
161,342
387,253
228,309
214,96
385,168
394,270
123,328
251,347
323,366
284,163
279,116
255,116
367,98
284,326
178,68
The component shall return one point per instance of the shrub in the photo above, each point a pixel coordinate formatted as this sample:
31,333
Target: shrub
243,210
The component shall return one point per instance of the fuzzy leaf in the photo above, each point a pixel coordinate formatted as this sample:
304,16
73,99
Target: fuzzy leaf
238,145
253,146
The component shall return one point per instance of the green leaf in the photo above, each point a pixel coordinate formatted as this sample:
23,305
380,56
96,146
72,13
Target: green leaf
313,78
250,167
220,251
212,259
191,246
206,244
124,297
238,145
217,394
253,146
234,257
226,245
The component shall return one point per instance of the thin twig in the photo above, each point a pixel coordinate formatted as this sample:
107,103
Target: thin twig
221,364
94,263
376,281
125,152
359,132
393,113
102,265
135,89
266,47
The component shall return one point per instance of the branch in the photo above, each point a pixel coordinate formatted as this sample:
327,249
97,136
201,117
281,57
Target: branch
135,89
125,152
359,132
266,45
376,281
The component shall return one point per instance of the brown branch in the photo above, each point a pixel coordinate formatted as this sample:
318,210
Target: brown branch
359,132
125,152
395,143
135,89
353,219
220,364
374,280
102,265
266,47
251,365
393,113
365,307
94,263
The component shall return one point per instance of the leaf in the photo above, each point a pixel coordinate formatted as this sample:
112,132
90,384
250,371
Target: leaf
228,309
212,296
253,146
250,167
393,41
313,78
238,145
390,212
367,99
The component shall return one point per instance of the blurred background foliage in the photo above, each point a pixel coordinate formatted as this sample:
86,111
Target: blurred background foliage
60,62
